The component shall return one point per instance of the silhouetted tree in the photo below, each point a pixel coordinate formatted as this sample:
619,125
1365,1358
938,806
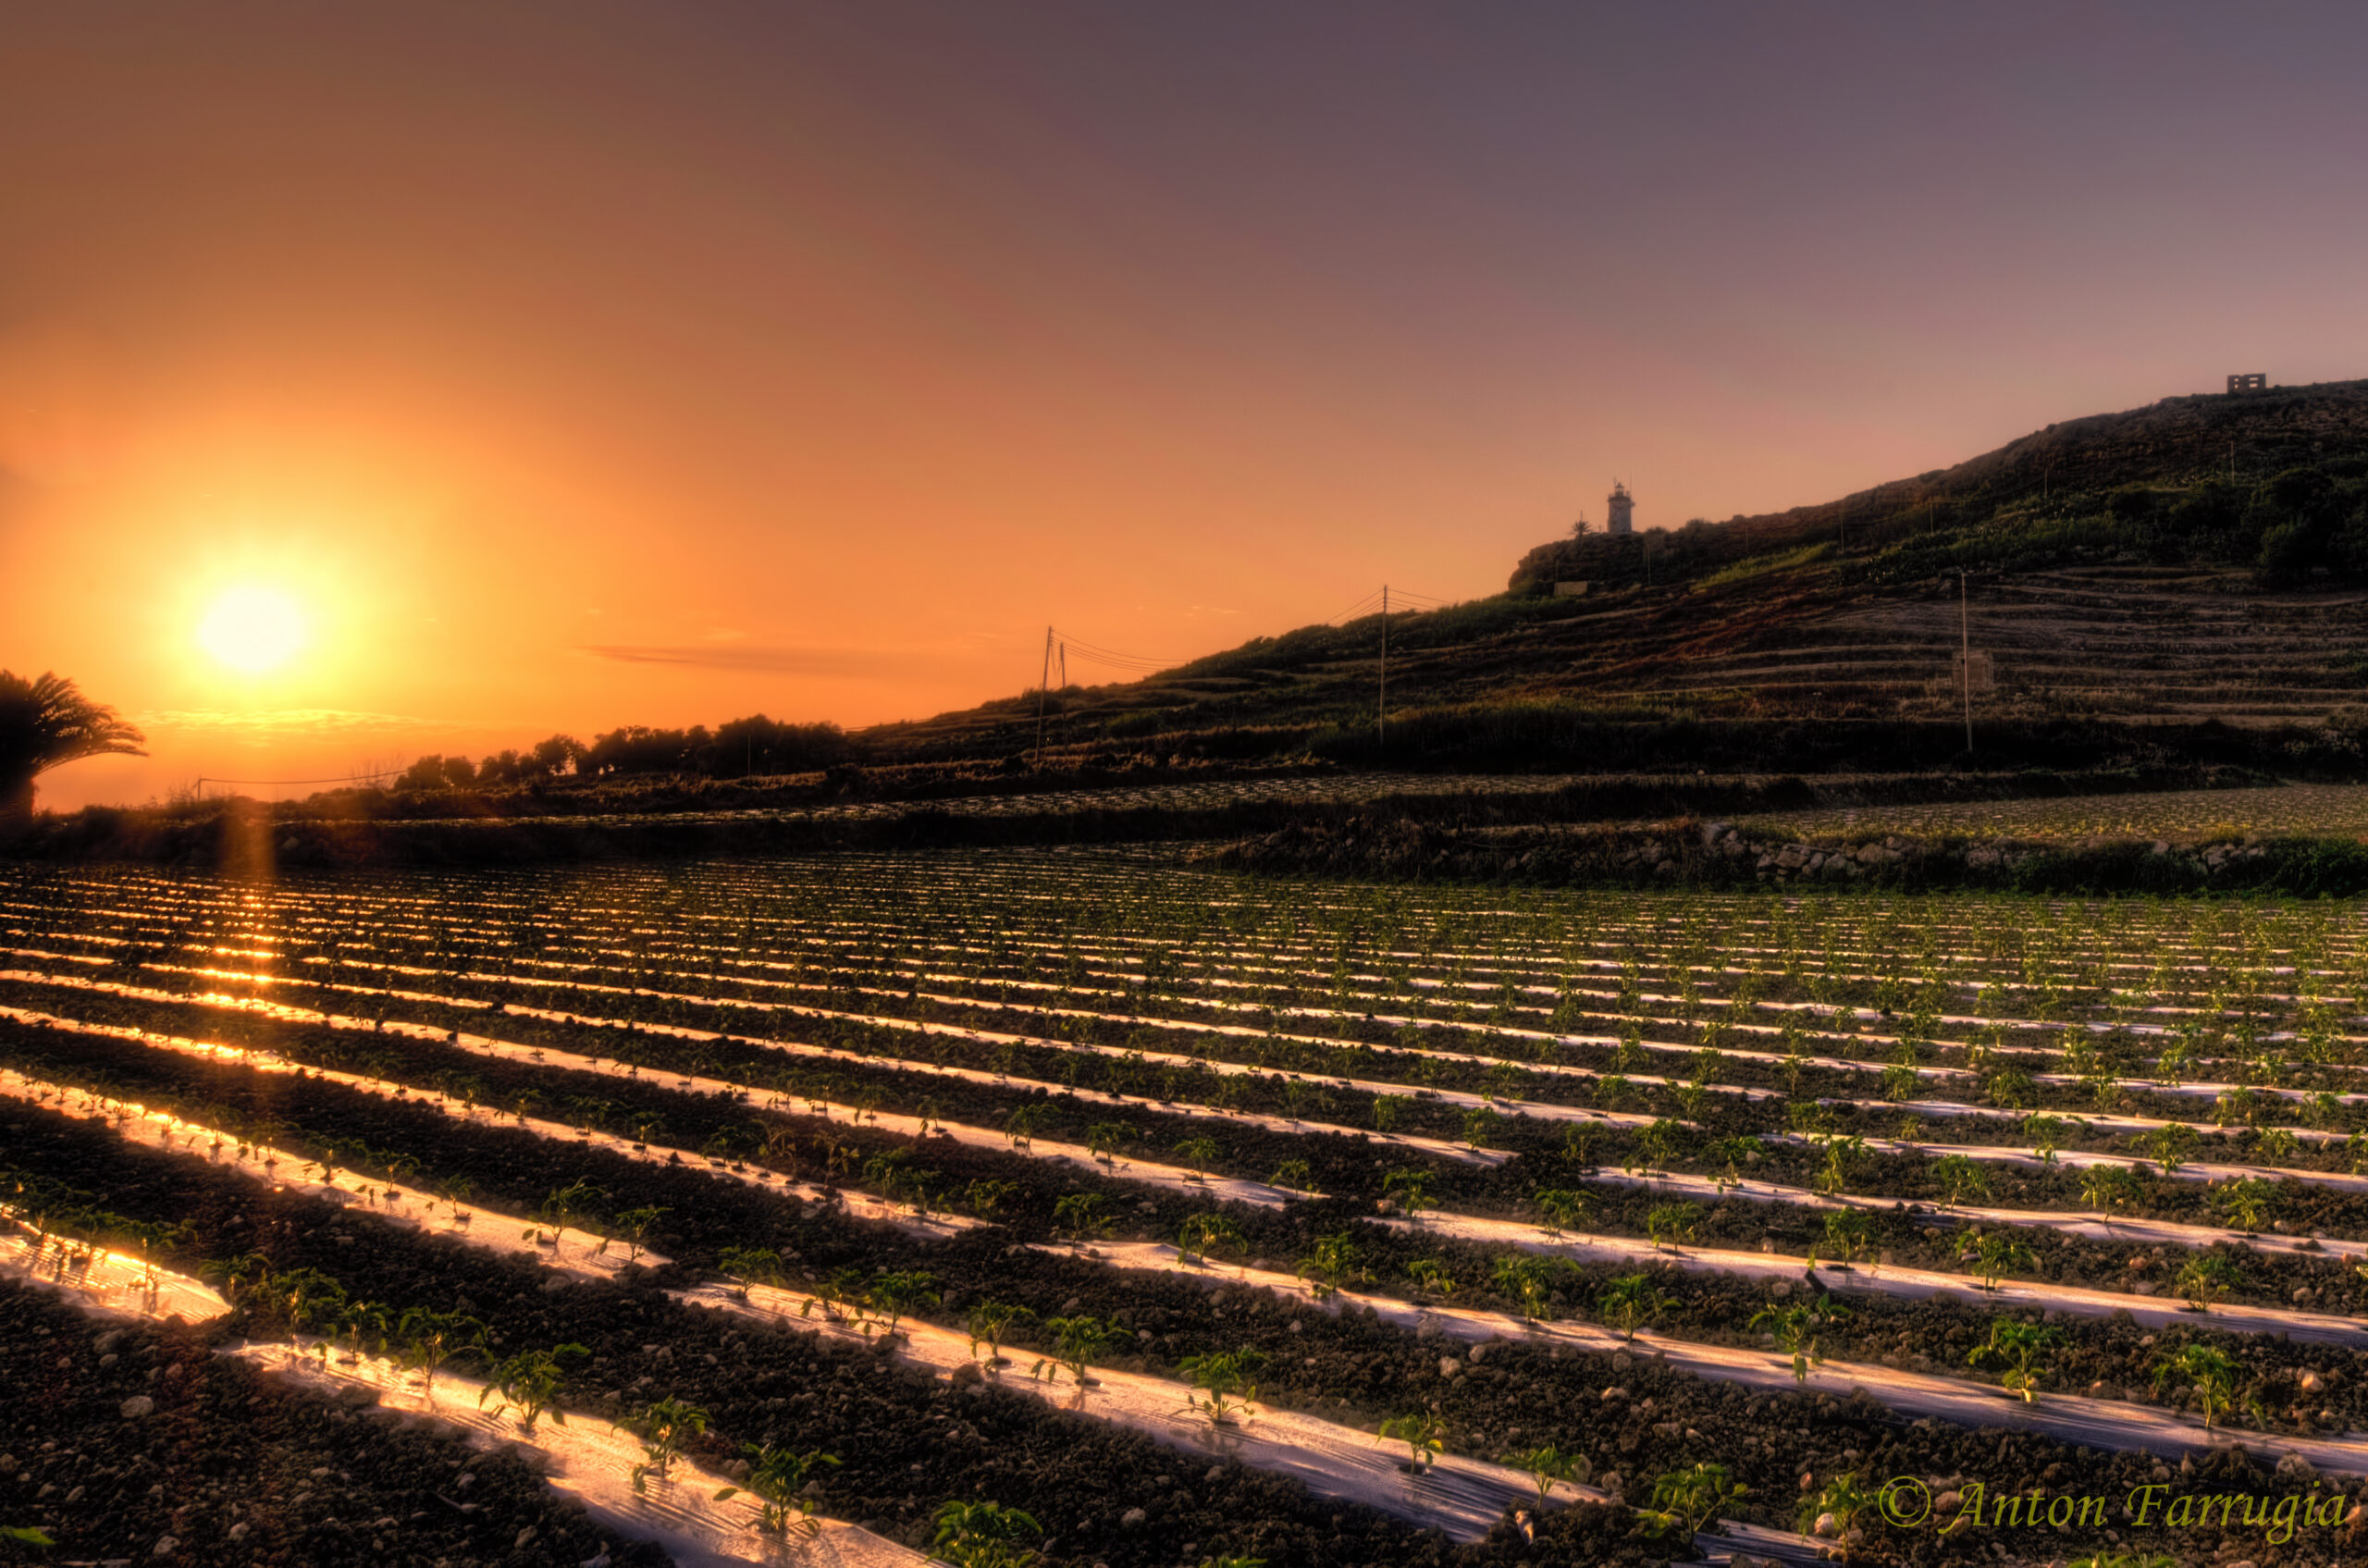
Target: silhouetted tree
44,724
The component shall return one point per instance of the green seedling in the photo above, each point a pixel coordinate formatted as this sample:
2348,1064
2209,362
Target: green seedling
1020,1123
1078,1343
529,1383
1843,1498
426,1343
633,1227
1669,1223
1409,1188
983,1197
776,1477
249,1274
1848,1233
1630,1303
1993,1253
2019,1348
1530,1280
1226,1377
897,1295
984,1535
664,1429
1198,1155
745,1267
1549,1465
1078,1216
1961,1178
2244,1202
556,1211
2111,1188
2171,1146
2211,1373
1657,1142
1424,1437
1332,1265
1386,1109
1684,1501
990,1323
1479,1126
2204,1279
1296,1175
363,1321
1563,1209
1796,1328
1842,1154
1436,1277
1104,1140
1203,1231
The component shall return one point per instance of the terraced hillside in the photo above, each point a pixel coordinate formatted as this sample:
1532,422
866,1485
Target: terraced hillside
2199,560
1203,1219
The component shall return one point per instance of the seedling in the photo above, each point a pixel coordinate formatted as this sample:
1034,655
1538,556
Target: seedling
1843,1498
1549,1465
1842,1152
750,1266
2113,1187
1684,1501
2204,1279
633,1227
1563,1209
1297,1174
1479,1126
529,1383
1225,1377
1198,1155
1847,1232
1078,1341
1993,1253
1735,1152
2211,1373
2244,1202
2019,1347
1424,1437
558,1211
1203,1231
1960,1178
2171,1146
895,1295
984,1535
663,1428
983,1197
248,1273
1669,1223
990,1323
428,1341
1630,1303
1530,1280
1104,1138
1432,1276
776,1477
840,1297
362,1320
1409,1188
1657,1142
1796,1330
1020,1123
1078,1216
1332,1265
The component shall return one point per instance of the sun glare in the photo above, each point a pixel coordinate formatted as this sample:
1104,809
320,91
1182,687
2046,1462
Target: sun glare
252,629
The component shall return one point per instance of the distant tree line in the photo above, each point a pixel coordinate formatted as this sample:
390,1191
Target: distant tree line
738,749
2307,517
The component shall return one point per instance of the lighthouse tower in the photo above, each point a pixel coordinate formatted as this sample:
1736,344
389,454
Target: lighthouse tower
1621,506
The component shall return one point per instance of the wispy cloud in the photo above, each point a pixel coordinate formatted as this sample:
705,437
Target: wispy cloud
842,663
283,721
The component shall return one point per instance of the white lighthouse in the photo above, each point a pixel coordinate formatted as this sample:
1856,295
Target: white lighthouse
1622,507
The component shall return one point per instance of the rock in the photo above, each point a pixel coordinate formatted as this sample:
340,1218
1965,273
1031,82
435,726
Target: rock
2144,1288
2297,1466
1132,1519
1216,1473
1613,1396
137,1406
1948,1502
524,1537
1450,1366
969,1375
239,1531
106,1342
2310,1381
1826,1525
166,1546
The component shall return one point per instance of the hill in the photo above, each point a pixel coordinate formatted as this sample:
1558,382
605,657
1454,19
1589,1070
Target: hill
2183,581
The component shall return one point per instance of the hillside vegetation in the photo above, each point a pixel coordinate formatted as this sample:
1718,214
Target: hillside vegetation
2146,579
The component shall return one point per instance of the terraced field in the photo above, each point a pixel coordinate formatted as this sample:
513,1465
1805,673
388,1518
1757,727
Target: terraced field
2171,816
1202,1219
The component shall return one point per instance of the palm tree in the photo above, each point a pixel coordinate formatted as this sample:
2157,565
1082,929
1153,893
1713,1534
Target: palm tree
45,723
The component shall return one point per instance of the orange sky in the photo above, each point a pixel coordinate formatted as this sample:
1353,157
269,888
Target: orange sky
579,365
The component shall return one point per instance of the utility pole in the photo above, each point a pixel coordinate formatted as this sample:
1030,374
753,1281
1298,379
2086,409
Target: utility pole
1043,683
1381,708
2232,463
1964,658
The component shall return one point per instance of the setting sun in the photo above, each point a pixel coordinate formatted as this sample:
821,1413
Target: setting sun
253,629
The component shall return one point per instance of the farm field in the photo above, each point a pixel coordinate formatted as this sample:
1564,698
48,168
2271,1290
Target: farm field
1201,1217
2176,816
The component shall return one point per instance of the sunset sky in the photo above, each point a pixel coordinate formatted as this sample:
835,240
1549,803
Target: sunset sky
526,367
